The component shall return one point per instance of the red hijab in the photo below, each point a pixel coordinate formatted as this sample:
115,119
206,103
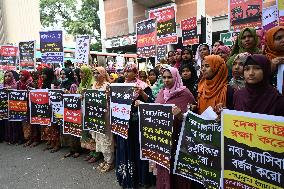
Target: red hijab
23,84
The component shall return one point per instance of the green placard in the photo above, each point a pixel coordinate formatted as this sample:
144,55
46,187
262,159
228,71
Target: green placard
226,38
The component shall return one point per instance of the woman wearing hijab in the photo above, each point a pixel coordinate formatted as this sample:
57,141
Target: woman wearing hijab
213,89
68,80
87,141
26,83
173,93
247,41
224,52
49,133
258,96
189,78
130,170
104,142
87,80
77,76
202,51
274,49
34,133
178,58
238,82
10,83
153,76
187,57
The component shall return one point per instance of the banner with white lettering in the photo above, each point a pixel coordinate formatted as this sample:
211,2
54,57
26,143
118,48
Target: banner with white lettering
253,150
56,101
156,129
17,105
3,104
72,117
40,110
51,47
27,51
121,98
198,155
95,111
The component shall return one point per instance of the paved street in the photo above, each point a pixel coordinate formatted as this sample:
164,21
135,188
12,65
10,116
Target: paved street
31,168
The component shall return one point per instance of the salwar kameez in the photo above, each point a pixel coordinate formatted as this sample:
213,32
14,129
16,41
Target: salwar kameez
131,171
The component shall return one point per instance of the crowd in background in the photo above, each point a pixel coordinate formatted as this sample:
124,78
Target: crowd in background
240,78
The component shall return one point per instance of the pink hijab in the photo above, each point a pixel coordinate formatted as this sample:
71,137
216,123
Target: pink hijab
177,87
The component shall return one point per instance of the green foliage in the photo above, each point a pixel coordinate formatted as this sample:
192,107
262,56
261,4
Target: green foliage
82,21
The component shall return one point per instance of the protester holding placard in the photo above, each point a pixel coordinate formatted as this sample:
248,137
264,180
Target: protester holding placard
9,83
25,83
130,170
104,142
177,94
49,133
258,96
87,141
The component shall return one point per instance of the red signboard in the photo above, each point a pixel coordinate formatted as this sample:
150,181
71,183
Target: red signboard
189,31
166,25
245,13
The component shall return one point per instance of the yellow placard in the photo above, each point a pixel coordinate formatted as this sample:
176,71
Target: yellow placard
264,134
248,180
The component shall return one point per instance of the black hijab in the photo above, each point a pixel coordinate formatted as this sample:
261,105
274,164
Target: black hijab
77,72
49,78
157,73
69,80
192,82
262,97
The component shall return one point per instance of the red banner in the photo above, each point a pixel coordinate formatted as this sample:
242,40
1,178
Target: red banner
189,31
245,13
40,109
166,25
8,57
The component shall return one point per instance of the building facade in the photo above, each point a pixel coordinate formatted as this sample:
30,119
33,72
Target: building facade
119,18
19,21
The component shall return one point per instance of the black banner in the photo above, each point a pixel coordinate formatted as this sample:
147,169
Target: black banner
120,105
56,101
146,38
17,105
161,52
156,128
27,55
198,154
40,109
72,119
95,111
3,104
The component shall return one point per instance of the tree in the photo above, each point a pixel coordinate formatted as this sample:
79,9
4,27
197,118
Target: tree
76,21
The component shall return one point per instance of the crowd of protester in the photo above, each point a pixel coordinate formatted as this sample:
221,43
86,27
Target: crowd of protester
239,78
